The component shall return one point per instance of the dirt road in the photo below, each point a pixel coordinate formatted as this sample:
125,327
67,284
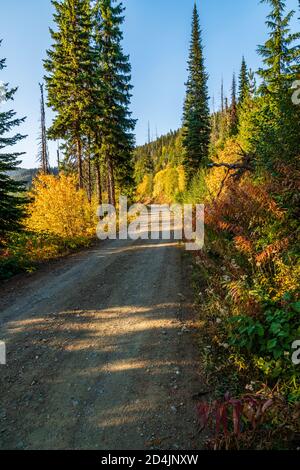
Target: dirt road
100,352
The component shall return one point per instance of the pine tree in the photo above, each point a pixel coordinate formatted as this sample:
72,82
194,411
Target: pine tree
196,116
70,69
233,128
11,199
243,82
43,156
116,126
222,96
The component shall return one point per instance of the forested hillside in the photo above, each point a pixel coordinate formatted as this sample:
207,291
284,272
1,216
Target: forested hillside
27,176
23,175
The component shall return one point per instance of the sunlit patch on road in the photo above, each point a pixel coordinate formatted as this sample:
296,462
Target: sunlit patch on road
2,353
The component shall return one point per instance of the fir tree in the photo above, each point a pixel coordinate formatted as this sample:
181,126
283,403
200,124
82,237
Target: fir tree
270,125
196,116
252,83
280,53
11,199
222,96
233,109
243,82
70,71
116,126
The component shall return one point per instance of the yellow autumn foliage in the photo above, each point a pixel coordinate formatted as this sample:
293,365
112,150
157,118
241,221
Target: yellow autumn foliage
60,208
168,183
145,189
214,178
181,179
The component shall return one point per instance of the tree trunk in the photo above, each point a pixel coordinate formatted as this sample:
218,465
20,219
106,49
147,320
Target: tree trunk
58,159
98,182
111,182
44,146
89,188
79,162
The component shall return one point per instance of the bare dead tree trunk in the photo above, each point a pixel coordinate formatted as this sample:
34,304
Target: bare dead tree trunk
246,164
44,153
58,158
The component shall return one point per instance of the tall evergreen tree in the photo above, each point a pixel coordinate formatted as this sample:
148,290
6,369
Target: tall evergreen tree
243,81
69,69
222,96
117,125
196,116
271,125
11,199
233,109
280,53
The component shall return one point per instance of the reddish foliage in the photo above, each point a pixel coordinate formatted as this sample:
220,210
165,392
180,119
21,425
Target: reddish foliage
231,418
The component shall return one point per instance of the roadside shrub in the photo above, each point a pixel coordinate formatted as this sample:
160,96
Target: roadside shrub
268,341
260,278
25,250
249,297
252,421
197,191
60,220
60,208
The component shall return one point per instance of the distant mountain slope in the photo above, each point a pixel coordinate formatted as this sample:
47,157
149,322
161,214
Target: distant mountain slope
26,175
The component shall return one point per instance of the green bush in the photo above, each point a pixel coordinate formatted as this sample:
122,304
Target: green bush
24,251
269,339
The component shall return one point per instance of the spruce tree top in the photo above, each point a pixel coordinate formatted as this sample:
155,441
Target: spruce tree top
114,67
69,66
244,82
280,53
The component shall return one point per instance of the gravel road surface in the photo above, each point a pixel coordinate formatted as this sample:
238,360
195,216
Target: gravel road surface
101,352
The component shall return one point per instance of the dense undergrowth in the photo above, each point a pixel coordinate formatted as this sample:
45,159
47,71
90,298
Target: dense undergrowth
246,281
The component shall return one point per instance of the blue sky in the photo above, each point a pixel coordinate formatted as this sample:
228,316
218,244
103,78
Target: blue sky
157,34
